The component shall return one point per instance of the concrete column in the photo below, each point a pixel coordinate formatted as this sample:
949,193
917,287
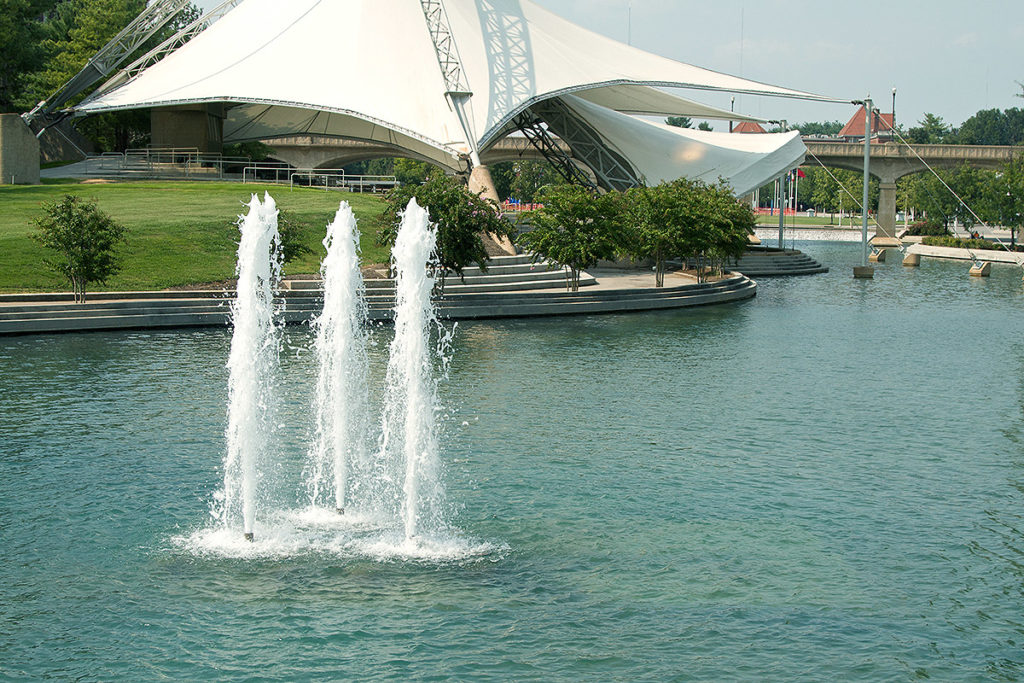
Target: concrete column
482,184
887,208
19,152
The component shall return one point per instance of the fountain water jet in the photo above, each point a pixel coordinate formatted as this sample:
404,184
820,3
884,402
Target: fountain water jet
253,358
408,423
338,456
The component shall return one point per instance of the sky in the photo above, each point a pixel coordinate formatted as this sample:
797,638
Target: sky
945,57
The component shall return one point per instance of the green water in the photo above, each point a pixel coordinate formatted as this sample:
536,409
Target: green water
823,483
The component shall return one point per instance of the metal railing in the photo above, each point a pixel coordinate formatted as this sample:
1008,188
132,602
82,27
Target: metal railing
190,164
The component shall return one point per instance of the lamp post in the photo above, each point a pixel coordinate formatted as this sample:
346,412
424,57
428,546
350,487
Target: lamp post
864,270
893,132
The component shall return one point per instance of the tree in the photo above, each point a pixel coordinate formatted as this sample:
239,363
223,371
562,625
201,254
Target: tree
85,241
991,127
291,237
461,219
412,172
652,225
931,130
576,228
819,128
1009,192
680,121
704,125
21,52
530,177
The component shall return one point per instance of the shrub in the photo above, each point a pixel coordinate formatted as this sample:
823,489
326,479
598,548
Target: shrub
932,227
959,243
85,241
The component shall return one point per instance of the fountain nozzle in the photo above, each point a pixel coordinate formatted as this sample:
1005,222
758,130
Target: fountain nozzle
340,511
249,537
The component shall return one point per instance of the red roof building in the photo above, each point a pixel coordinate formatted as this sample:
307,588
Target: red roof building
880,124
750,127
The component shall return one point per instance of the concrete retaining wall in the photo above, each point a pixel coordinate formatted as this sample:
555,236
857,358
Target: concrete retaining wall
19,152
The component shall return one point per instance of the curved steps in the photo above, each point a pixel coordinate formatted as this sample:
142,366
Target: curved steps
760,261
510,288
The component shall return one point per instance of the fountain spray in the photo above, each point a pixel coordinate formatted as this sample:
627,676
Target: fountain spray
253,358
408,425
338,456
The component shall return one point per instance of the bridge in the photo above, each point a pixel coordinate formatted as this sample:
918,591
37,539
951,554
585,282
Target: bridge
889,161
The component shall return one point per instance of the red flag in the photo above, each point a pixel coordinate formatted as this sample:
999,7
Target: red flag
800,173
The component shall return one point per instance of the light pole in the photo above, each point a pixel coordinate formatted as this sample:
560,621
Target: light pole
894,113
864,270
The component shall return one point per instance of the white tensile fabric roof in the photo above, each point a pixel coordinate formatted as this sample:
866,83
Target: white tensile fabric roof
658,151
366,69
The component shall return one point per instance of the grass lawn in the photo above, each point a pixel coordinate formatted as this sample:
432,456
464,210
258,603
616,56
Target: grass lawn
806,221
179,233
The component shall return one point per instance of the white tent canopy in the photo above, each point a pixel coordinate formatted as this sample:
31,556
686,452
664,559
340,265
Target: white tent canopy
367,70
658,151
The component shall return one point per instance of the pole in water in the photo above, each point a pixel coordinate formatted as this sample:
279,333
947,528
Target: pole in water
249,536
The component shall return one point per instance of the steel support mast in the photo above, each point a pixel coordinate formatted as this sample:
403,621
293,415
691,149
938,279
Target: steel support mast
456,86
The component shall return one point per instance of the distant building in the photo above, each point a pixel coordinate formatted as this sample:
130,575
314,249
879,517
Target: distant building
881,126
749,127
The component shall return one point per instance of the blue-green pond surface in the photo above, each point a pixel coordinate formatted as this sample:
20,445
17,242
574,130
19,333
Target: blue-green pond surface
822,483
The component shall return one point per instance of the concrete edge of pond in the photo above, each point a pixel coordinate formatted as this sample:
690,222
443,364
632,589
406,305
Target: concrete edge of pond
613,292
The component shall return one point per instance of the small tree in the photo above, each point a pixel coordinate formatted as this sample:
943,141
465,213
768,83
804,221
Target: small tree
654,226
461,219
85,240
575,228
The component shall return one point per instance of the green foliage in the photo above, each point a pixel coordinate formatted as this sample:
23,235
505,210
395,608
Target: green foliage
819,128
958,243
931,130
84,239
412,172
928,228
531,177
576,228
21,51
991,127
929,194
254,150
680,121
704,125
461,219
294,237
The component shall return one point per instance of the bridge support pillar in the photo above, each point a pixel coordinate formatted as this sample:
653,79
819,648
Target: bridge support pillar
886,233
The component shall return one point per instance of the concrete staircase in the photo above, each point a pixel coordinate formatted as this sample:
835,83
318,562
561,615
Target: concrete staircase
760,261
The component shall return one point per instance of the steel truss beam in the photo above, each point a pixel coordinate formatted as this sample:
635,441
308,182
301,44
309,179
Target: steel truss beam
130,39
612,169
456,87
542,140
